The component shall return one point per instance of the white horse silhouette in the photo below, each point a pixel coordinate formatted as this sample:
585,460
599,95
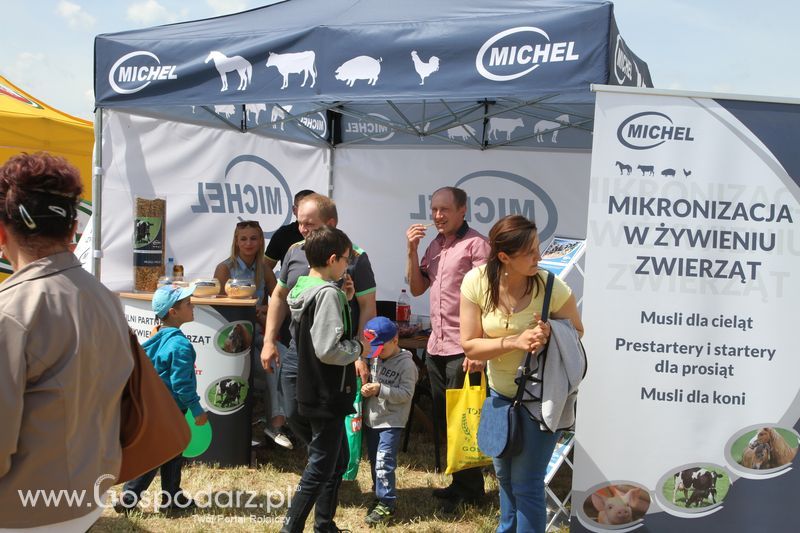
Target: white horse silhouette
544,126
226,64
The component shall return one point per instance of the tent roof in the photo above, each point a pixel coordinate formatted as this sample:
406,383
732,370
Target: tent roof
30,125
464,62
295,15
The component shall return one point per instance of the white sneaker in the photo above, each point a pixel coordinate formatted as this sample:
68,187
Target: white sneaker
278,437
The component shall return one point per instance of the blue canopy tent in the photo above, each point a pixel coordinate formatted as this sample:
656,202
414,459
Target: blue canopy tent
421,75
352,71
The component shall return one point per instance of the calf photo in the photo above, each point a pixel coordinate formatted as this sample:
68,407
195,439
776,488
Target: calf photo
696,487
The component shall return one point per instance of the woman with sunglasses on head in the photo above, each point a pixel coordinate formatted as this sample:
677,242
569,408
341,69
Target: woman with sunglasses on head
247,261
65,354
500,316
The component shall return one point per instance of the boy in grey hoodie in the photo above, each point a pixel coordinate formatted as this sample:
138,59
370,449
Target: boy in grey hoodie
326,376
387,403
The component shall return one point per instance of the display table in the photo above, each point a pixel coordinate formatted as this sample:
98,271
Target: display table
222,334
417,342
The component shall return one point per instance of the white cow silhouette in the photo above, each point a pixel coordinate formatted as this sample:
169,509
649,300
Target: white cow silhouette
461,132
294,63
359,68
506,125
226,64
255,109
544,126
279,114
228,110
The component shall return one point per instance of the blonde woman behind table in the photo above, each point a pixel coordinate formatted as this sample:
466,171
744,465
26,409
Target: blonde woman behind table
500,322
247,261
65,355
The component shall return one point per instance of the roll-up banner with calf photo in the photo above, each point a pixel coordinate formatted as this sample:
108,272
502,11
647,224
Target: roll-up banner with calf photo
688,417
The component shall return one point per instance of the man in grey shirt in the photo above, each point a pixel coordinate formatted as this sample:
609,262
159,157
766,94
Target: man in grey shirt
313,211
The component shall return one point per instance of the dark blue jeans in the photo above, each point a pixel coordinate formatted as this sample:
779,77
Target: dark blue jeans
521,480
382,447
328,455
170,482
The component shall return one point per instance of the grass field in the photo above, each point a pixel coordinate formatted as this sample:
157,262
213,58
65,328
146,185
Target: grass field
276,471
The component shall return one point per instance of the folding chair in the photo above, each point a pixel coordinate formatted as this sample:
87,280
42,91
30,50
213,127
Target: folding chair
559,458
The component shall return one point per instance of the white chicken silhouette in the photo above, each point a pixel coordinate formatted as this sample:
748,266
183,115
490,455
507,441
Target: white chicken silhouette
424,69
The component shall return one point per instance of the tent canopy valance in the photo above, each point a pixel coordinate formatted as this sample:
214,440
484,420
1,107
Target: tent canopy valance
420,72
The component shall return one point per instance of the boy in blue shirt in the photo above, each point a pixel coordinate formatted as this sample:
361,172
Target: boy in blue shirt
173,357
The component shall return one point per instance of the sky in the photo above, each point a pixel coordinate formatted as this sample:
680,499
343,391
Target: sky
727,46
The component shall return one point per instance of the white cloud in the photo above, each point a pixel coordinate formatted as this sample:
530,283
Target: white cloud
150,12
225,7
76,17
28,60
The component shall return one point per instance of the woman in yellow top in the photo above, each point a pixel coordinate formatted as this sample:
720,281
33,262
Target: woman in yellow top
501,303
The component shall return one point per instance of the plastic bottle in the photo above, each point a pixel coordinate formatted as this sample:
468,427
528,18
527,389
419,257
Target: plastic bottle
170,267
177,273
403,310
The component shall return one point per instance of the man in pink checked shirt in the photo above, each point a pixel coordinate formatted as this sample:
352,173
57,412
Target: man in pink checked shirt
454,251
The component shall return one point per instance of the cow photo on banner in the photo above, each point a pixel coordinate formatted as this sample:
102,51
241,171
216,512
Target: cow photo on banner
688,419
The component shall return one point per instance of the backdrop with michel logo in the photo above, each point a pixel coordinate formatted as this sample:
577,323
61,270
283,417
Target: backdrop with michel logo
213,178
688,417
210,178
381,192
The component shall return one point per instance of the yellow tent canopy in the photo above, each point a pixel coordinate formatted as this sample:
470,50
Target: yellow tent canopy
29,125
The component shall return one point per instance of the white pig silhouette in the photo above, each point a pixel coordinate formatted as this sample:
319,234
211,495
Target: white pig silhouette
359,68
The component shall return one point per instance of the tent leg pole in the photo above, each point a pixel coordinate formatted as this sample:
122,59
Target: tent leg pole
330,171
97,187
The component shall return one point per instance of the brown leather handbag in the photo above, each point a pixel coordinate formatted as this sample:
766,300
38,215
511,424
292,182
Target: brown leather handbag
152,429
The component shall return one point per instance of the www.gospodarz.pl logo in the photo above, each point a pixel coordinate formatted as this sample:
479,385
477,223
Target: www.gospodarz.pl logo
156,500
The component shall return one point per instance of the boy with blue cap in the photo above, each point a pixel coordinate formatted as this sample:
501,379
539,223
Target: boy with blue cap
387,403
173,357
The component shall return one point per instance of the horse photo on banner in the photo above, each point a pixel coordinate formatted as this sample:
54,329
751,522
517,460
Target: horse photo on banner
689,418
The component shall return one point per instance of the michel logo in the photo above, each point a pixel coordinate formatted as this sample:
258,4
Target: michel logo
136,70
623,66
252,187
377,130
650,129
516,52
493,194
316,123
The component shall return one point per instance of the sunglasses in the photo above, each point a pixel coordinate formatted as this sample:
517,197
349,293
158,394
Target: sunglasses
248,224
